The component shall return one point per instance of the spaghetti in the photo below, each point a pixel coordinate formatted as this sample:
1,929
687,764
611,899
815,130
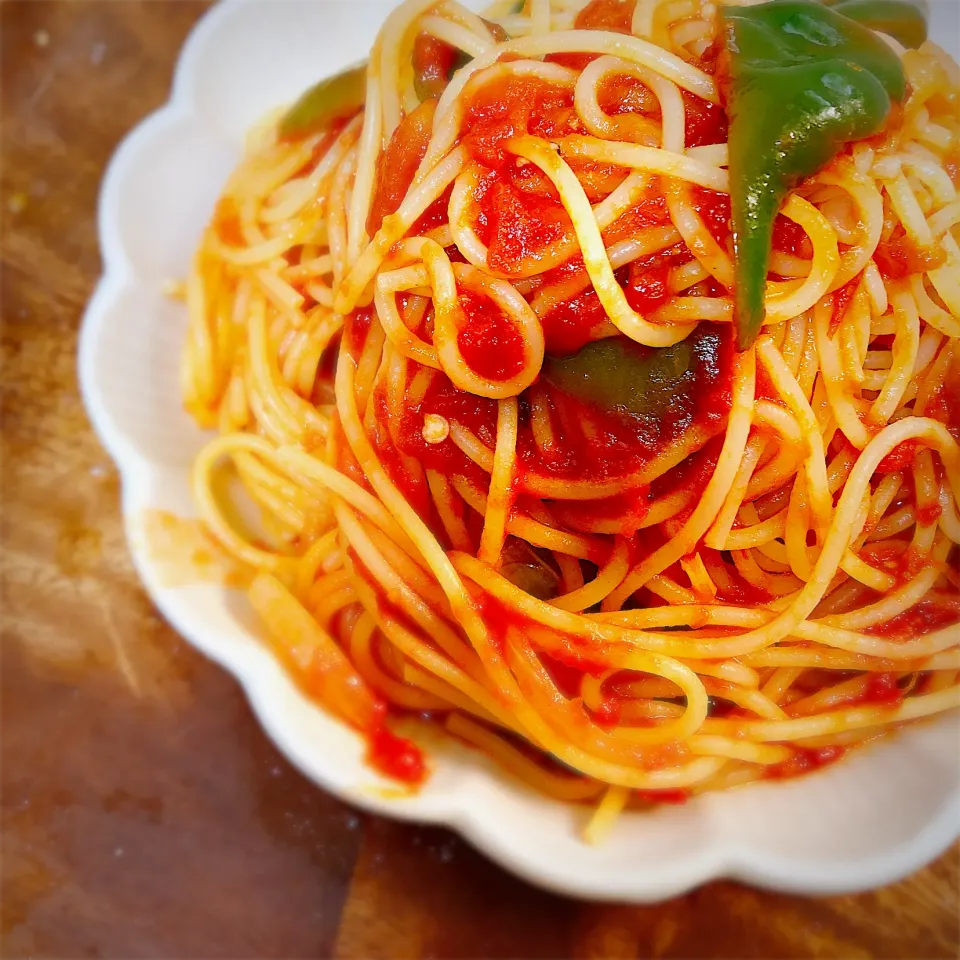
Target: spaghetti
469,348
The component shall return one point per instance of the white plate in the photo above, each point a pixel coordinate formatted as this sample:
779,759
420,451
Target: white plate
877,816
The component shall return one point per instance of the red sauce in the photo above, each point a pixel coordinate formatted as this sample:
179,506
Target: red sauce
927,616
705,122
618,95
591,444
714,208
649,212
945,403
414,488
805,760
396,757
566,665
691,474
519,228
566,677
432,61
435,216
895,556
646,287
664,796
477,414
399,162
741,591
609,712
899,458
489,343
628,509
899,257
570,325
612,15
510,107
790,237
530,180
582,662
928,512
355,330
882,689
841,301
597,179
226,223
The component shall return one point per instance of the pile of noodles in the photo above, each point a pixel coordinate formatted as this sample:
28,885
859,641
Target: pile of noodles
793,595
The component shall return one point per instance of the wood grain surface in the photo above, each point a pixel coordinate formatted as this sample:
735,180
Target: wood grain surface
144,812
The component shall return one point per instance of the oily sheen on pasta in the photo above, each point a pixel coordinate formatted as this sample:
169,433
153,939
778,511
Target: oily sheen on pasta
473,324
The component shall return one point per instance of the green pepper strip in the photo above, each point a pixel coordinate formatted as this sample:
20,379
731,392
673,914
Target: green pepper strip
900,19
616,374
331,99
801,81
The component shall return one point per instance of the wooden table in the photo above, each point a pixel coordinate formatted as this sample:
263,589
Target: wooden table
144,812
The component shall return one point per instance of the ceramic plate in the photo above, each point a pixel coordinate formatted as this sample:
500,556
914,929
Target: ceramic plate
879,815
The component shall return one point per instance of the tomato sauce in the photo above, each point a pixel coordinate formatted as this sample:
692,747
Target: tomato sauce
895,556
488,342
647,279
518,228
413,487
519,217
842,299
899,458
900,257
572,323
882,690
608,713
805,760
927,616
477,414
714,208
396,757
740,591
613,15
691,474
355,330
566,676
673,797
226,223
628,509
618,95
704,122
790,237
399,162
436,216
945,403
510,107
649,212
433,61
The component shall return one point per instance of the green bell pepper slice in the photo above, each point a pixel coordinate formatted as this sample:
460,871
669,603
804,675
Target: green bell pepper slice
900,19
616,374
801,80
324,103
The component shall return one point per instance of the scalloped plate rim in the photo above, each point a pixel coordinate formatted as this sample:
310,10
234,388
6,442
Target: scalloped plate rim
719,859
